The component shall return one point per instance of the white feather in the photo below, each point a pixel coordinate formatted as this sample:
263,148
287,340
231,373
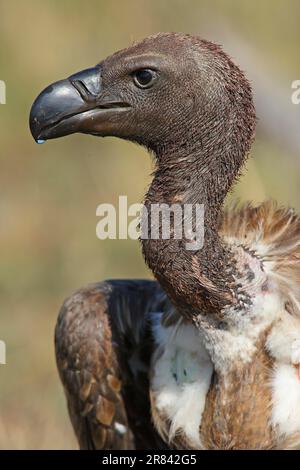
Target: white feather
286,399
181,379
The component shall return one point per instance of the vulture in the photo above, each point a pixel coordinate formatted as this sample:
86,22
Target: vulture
207,355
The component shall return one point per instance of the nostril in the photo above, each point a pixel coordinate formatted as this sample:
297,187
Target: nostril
87,83
82,89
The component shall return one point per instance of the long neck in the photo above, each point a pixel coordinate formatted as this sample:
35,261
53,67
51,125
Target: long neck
198,170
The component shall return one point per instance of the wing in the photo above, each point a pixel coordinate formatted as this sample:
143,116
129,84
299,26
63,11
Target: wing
103,348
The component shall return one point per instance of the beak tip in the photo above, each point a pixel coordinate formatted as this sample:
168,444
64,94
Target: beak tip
34,123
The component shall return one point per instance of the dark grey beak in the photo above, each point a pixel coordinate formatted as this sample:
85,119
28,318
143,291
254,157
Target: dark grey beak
60,108
78,104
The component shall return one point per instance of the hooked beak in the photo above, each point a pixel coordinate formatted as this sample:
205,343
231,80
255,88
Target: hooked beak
76,104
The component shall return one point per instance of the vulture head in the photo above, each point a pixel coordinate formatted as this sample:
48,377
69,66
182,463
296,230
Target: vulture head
165,91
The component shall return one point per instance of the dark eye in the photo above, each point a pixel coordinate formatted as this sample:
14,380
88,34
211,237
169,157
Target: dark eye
144,78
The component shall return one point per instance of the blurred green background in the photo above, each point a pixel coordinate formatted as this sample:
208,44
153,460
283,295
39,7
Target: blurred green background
49,193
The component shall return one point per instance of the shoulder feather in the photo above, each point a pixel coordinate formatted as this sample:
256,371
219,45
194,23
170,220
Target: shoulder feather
272,233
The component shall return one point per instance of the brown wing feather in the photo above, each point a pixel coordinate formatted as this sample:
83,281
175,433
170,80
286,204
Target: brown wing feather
103,347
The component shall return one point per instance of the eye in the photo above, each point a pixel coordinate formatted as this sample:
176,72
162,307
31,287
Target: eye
144,78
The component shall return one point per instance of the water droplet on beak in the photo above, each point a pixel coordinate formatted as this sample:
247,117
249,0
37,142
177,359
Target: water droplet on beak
40,141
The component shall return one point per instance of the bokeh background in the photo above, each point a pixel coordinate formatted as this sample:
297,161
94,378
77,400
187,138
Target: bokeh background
49,193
